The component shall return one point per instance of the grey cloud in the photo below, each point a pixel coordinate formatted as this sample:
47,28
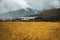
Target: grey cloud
10,5
44,4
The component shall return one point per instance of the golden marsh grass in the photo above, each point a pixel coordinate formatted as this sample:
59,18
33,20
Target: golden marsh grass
29,30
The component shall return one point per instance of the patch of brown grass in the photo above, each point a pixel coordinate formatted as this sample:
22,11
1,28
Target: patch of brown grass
29,31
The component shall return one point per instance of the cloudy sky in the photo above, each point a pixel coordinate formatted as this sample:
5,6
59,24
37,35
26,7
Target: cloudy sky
11,5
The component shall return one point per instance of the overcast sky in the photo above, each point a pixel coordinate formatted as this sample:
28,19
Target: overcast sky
8,5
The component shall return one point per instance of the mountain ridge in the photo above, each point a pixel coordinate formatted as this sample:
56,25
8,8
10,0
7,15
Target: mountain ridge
48,15
18,13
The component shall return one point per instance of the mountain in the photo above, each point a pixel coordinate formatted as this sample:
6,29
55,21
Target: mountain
18,13
48,15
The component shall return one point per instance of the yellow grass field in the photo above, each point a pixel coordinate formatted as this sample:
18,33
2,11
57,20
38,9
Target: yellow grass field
29,30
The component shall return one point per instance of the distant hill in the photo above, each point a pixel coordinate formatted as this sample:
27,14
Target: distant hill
18,13
52,15
49,15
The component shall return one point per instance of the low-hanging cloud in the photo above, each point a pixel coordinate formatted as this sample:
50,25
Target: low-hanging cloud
44,4
8,5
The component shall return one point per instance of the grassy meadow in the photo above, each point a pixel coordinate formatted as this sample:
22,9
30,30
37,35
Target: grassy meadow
29,30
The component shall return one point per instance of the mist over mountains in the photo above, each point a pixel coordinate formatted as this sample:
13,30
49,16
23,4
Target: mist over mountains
17,8
18,13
